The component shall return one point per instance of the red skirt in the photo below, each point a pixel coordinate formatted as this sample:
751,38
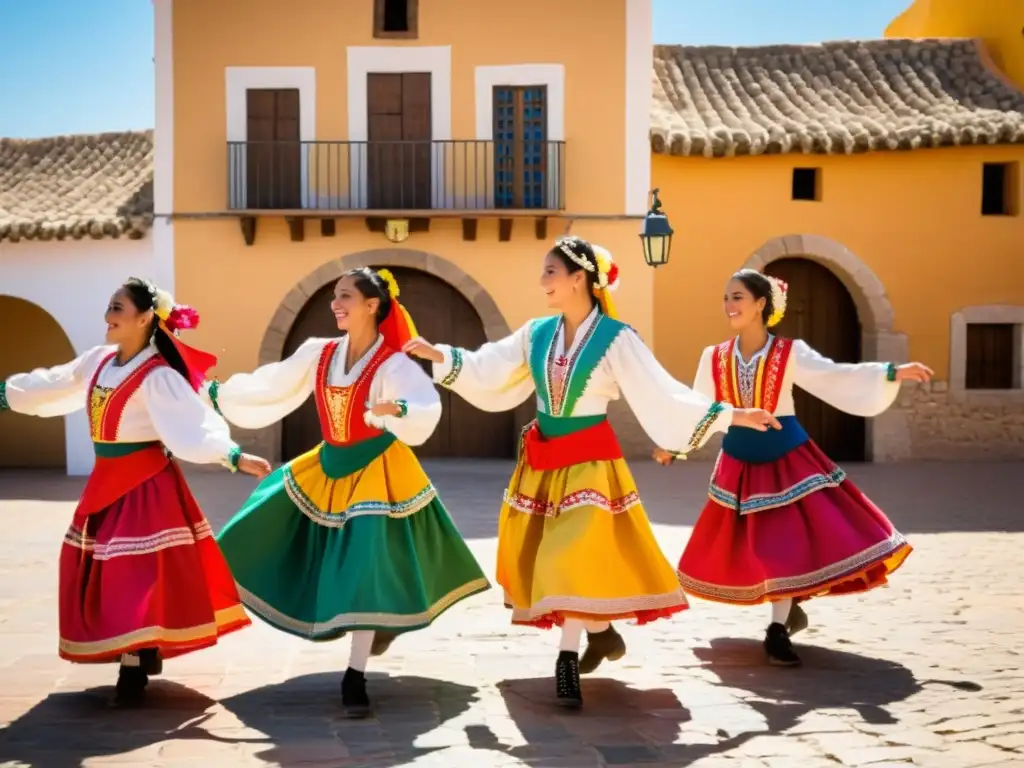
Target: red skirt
795,527
143,571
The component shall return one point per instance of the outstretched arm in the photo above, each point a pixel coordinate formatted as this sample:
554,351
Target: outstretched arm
54,391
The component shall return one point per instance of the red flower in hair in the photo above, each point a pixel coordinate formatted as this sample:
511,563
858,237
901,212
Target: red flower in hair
182,318
613,274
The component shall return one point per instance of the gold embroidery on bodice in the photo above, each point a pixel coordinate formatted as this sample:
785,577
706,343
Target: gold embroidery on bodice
339,403
97,406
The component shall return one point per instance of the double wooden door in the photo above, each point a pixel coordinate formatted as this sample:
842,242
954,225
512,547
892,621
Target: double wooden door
399,152
273,151
441,314
821,312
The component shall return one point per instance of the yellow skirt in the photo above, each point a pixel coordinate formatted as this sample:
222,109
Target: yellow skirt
576,543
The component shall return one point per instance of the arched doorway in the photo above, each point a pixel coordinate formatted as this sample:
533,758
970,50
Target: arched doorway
821,312
26,441
441,313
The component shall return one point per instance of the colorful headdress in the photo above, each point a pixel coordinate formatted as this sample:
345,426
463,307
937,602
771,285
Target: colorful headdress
605,267
398,327
780,289
173,318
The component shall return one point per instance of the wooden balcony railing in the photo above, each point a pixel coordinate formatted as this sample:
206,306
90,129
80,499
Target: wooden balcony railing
339,176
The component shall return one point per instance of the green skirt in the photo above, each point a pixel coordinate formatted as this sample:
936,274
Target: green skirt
349,537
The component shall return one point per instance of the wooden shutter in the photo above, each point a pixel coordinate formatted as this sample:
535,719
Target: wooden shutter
990,356
273,149
520,146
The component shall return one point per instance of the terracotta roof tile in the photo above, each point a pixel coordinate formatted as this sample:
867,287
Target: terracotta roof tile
98,185
834,98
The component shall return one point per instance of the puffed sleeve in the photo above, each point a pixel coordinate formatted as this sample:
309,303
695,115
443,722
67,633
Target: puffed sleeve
190,429
53,391
674,416
495,377
402,381
704,381
268,394
860,389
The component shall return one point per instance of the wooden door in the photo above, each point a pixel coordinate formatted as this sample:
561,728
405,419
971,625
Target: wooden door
399,150
273,166
520,132
441,314
821,312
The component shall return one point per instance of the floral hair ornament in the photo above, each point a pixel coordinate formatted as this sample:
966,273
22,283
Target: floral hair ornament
607,281
780,290
397,328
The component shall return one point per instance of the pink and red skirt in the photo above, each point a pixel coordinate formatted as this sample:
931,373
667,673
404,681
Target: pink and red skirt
795,527
139,567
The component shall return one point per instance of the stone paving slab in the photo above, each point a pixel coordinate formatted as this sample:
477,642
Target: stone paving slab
924,673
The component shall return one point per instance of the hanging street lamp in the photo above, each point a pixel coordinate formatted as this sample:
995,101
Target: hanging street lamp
656,235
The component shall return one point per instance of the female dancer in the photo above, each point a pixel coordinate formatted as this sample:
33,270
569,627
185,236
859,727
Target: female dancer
351,536
782,522
575,548
141,578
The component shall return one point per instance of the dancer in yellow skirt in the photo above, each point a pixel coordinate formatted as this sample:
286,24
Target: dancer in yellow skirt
575,548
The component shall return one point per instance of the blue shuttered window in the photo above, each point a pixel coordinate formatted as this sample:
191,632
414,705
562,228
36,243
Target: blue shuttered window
520,147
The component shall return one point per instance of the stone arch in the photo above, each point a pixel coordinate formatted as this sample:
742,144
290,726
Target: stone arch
888,436
272,346
267,441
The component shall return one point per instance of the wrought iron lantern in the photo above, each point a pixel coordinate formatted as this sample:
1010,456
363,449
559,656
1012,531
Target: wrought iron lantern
656,236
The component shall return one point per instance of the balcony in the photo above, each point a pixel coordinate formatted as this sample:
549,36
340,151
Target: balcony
409,179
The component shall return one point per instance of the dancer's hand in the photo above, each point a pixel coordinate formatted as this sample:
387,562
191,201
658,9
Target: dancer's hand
662,456
754,418
256,466
914,372
421,348
385,409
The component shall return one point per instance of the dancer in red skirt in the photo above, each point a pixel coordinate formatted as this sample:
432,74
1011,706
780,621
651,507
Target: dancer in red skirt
141,577
783,523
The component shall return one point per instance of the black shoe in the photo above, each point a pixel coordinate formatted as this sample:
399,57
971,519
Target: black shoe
353,694
600,646
779,648
567,680
797,620
381,642
131,686
150,661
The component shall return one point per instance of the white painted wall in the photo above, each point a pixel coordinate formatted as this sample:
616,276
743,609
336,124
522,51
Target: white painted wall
73,280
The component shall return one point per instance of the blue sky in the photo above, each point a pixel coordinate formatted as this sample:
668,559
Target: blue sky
83,66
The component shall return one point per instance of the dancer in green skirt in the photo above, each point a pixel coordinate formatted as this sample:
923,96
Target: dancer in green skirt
350,537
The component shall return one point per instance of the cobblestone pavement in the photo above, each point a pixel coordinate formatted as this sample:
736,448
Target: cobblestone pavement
924,673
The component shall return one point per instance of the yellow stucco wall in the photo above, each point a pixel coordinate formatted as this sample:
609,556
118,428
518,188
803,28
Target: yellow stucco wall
997,22
912,217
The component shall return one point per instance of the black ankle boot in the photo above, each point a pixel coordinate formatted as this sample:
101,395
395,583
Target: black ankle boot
353,694
600,646
150,661
567,680
131,686
779,648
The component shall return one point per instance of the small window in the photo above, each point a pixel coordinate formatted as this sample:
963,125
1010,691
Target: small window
999,189
992,360
807,183
396,19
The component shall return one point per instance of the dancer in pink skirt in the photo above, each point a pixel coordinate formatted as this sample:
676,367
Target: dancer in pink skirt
782,522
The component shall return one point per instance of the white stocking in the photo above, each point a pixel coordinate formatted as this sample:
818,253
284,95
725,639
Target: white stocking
781,609
572,632
362,642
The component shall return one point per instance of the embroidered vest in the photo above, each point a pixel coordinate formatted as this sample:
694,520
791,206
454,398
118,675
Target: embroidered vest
106,405
342,409
771,369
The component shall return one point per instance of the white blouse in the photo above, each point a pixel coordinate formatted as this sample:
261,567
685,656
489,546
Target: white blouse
860,389
268,394
496,377
165,408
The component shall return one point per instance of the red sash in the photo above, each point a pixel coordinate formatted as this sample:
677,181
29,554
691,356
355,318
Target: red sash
111,479
596,443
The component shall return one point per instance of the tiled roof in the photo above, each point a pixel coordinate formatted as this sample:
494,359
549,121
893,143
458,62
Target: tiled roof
834,98
98,185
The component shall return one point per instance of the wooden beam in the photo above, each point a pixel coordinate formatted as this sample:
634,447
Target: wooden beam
504,230
469,229
540,228
328,228
248,225
296,228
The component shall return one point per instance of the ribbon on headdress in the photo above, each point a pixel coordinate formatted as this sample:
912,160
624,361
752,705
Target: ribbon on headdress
398,327
604,300
197,361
